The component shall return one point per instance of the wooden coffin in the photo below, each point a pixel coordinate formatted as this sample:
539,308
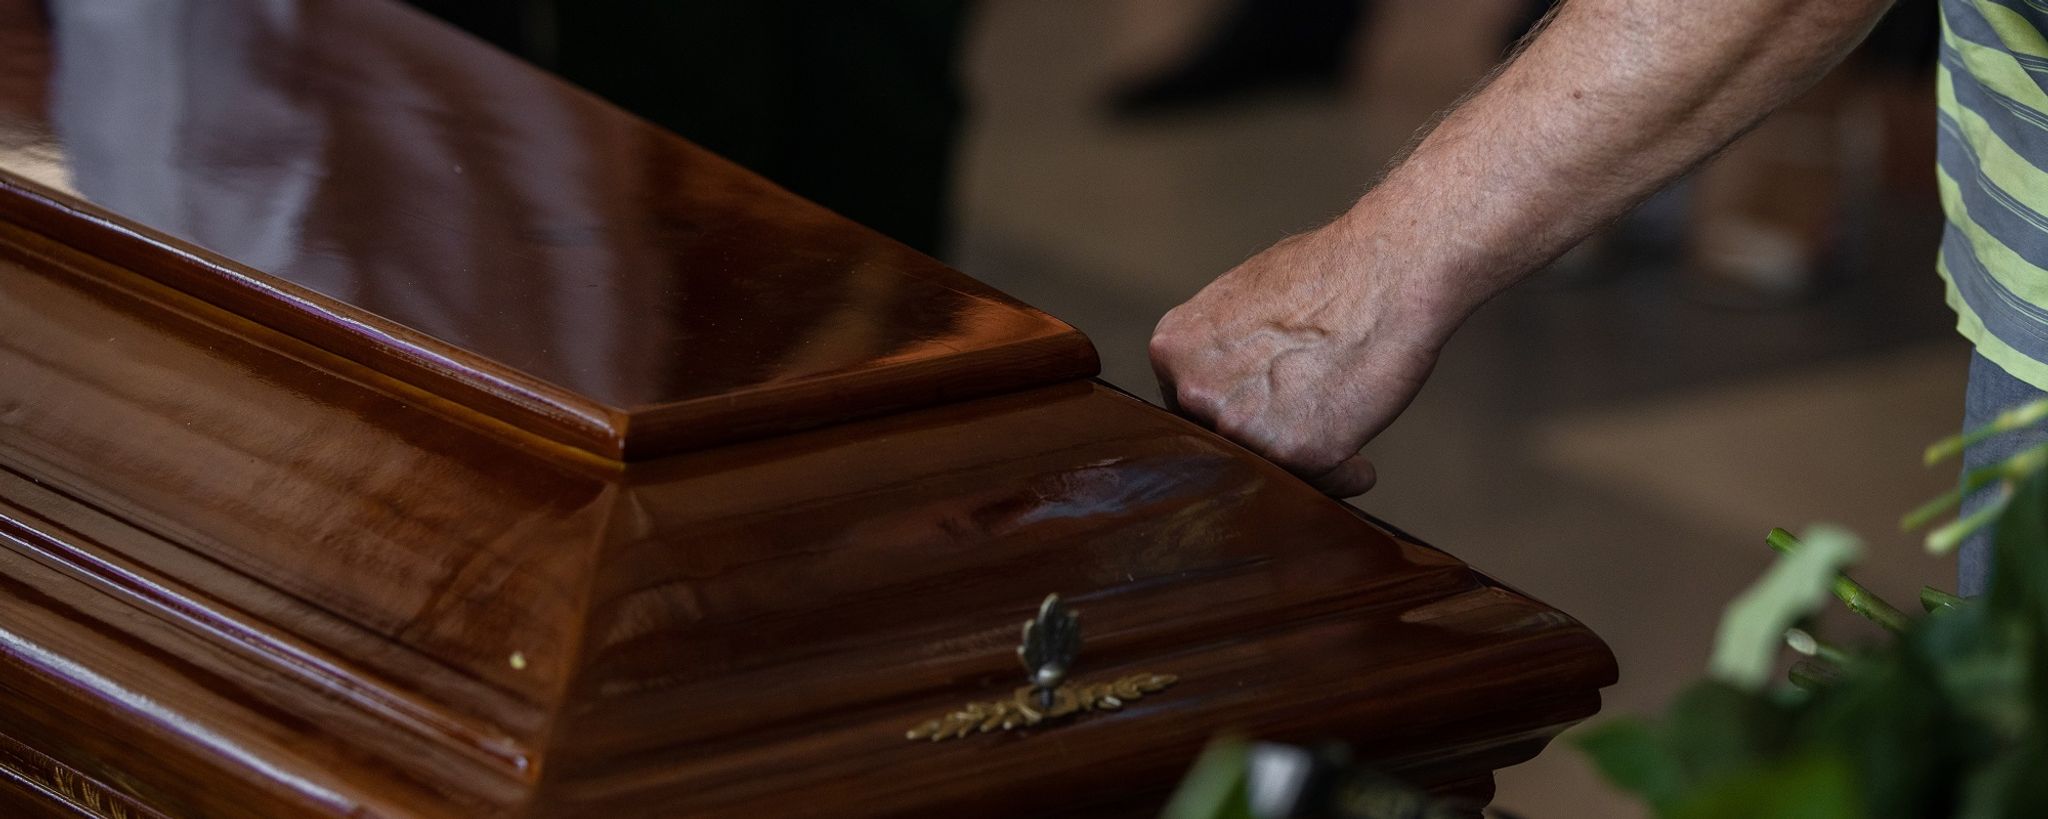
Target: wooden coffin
388,429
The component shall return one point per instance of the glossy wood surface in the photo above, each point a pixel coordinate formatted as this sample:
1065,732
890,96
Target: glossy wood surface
241,576
320,348
369,180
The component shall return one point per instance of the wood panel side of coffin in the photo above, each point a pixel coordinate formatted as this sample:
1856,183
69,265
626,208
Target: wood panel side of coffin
774,617
246,578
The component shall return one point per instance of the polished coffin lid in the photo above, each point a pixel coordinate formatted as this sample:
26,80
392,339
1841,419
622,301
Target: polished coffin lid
369,180
240,576
256,561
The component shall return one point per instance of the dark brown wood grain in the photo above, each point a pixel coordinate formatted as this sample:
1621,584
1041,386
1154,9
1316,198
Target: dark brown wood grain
34,785
364,178
256,562
270,544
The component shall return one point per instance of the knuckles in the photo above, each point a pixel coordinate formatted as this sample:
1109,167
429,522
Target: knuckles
1201,386
1173,349
1200,400
1171,340
1297,453
1306,459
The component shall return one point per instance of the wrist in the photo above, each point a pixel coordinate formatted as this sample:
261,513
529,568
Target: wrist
1414,292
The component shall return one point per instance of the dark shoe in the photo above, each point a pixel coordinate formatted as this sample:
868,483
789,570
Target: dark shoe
1261,46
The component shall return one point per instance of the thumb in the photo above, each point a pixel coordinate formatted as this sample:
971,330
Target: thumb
1352,477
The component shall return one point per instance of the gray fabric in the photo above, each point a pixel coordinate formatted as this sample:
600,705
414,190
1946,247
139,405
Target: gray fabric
1992,391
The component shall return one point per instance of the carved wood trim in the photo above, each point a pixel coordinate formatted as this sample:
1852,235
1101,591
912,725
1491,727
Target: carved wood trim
58,781
86,559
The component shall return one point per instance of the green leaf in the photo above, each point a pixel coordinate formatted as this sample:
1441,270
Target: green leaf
2011,786
2020,547
1633,757
1711,731
2019,579
1979,662
1890,722
1714,728
1795,587
1368,795
1216,787
1811,786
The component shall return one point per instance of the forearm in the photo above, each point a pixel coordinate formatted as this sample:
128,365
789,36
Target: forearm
1613,101
1307,350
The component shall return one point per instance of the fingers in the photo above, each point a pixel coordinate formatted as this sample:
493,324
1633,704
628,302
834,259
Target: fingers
1170,398
1237,398
1166,357
1352,477
1169,395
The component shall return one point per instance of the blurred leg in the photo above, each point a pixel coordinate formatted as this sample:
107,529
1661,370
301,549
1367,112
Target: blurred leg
1991,392
852,103
1258,45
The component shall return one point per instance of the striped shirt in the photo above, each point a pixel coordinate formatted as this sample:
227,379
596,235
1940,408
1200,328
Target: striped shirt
1993,132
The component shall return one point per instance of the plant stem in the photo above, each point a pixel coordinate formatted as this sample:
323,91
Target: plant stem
1945,539
1852,594
1812,675
1934,599
2016,468
1803,641
2021,416
1930,510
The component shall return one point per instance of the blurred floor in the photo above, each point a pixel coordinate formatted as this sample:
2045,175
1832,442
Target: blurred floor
1613,448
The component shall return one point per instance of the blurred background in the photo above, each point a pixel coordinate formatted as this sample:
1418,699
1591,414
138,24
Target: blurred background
1765,345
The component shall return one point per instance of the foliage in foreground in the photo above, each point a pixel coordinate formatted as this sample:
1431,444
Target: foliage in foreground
1944,719
1941,720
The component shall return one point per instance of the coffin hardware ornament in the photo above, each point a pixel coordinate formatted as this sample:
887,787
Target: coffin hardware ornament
1051,642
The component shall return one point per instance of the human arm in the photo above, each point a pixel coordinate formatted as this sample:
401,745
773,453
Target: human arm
1309,349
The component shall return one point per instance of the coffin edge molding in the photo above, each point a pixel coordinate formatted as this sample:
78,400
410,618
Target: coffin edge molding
1054,353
